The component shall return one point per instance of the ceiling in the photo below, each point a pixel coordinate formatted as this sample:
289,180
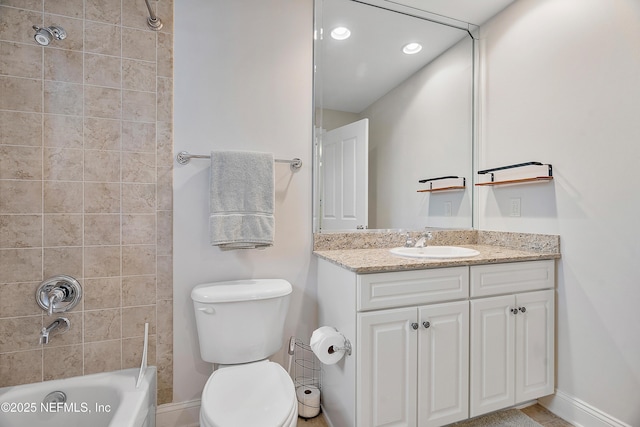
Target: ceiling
354,73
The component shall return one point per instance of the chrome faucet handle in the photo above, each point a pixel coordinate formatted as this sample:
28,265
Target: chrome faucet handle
55,295
409,242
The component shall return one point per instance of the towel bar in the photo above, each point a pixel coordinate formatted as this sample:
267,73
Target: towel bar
184,157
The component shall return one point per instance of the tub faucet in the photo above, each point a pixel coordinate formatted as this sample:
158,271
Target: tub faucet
422,241
60,326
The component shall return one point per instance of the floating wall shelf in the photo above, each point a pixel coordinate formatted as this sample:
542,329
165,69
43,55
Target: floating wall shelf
447,183
535,172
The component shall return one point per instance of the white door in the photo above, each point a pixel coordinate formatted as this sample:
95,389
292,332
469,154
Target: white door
386,368
492,384
344,172
443,364
534,345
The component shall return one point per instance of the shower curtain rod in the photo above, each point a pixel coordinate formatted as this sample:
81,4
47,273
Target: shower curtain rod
153,21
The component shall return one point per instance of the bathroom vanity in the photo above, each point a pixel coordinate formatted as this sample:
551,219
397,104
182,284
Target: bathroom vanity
436,341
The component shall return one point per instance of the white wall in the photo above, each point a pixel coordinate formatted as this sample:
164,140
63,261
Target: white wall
563,86
242,82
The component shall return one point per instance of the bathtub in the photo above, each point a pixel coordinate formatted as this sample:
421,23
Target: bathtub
109,399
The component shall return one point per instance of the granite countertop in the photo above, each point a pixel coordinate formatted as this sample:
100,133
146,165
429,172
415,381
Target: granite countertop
381,260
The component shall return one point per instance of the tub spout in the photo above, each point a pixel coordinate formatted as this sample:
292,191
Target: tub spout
58,326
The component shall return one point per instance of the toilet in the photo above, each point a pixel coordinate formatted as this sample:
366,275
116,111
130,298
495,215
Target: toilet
240,324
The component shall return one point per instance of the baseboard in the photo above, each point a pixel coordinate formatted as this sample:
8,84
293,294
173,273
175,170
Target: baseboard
578,412
182,414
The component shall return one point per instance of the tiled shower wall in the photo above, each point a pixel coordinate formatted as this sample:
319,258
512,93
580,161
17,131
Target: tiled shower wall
85,186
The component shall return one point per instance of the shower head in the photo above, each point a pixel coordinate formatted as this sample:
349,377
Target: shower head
44,36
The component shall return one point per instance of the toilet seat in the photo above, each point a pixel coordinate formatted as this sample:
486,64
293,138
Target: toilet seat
249,395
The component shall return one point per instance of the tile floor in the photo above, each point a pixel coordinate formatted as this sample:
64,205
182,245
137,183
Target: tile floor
536,412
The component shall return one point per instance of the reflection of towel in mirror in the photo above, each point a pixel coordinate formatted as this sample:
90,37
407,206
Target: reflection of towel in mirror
242,200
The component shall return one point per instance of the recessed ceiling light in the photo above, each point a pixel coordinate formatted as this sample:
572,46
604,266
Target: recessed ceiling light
340,33
412,48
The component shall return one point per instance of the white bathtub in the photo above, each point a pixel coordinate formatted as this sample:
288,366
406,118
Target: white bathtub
110,399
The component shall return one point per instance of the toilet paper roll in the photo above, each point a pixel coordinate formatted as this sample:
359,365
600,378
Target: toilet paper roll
325,342
308,401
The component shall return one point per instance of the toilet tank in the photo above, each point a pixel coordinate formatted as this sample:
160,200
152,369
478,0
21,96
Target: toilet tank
240,321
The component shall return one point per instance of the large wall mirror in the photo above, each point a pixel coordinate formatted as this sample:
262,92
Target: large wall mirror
393,95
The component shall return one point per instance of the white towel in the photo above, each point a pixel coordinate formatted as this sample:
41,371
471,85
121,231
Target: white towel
242,200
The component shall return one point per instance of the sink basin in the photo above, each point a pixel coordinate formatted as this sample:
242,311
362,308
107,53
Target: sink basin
435,252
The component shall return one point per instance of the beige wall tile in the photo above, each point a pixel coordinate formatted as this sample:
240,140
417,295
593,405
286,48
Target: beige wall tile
165,318
164,241
15,24
20,94
20,333
101,70
102,38
102,134
138,198
165,188
165,10
73,28
138,136
63,98
62,164
101,197
72,336
102,166
18,128
139,259
138,75
102,293
138,229
63,65
132,351
102,261
17,299
165,277
62,197
62,131
20,231
20,197
134,318
165,55
20,60
139,167
165,99
102,102
138,106
71,8
138,290
20,162
139,44
21,265
63,230
135,14
101,229
165,145
24,4
102,325
107,11
104,356
64,260
62,362
22,367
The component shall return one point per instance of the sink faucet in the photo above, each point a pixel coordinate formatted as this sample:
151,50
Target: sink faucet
422,241
59,323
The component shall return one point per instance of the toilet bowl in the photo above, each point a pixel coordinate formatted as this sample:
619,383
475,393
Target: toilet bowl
240,324
249,395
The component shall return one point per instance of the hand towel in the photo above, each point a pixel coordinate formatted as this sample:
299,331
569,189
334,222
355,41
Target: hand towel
242,200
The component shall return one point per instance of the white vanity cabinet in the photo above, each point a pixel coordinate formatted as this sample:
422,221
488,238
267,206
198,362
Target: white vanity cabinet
428,352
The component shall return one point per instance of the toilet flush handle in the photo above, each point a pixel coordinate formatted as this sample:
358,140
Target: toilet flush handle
206,310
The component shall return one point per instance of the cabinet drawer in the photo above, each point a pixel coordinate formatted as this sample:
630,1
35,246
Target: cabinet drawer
498,279
397,289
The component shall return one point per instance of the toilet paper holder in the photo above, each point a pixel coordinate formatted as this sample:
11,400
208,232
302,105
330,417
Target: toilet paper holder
346,347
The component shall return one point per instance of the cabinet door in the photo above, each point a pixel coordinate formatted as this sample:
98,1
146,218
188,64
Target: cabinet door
443,363
492,384
534,345
386,368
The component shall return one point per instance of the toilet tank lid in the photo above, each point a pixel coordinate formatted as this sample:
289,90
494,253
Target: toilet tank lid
240,290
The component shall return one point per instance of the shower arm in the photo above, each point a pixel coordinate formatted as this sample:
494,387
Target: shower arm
153,21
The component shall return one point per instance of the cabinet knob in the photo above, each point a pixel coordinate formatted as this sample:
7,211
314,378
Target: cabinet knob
426,324
523,309
514,310
414,326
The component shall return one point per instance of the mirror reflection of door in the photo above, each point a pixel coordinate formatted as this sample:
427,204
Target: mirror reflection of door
345,177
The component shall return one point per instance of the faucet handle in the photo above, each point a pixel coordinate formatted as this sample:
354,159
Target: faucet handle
44,336
409,242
